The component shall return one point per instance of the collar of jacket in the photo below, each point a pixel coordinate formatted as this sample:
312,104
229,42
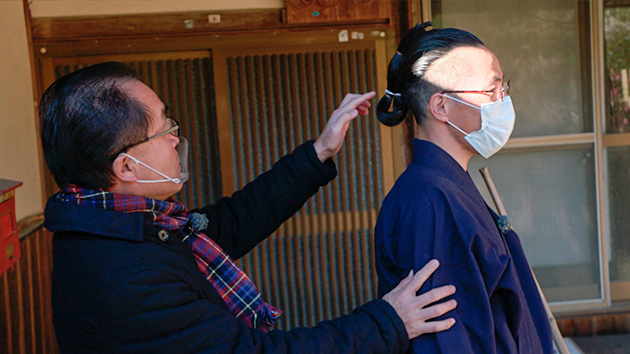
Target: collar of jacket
64,216
427,154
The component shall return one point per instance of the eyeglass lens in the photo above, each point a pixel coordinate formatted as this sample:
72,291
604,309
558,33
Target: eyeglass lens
172,124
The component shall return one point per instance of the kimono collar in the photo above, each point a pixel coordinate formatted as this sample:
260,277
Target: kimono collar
429,155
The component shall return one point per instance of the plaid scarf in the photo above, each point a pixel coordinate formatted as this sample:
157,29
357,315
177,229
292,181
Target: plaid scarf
234,286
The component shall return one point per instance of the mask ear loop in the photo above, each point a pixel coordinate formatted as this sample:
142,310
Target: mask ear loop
167,178
460,101
453,125
466,103
456,127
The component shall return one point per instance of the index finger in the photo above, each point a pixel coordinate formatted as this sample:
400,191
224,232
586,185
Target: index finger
358,100
423,274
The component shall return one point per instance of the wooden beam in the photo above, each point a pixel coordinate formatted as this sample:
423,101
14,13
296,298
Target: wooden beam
35,79
185,23
616,3
616,139
146,44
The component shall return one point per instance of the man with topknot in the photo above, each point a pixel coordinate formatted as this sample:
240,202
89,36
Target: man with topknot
455,89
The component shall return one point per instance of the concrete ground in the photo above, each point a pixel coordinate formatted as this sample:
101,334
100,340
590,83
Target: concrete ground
609,344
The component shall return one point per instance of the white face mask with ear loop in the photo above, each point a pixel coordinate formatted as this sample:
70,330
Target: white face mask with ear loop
182,151
497,123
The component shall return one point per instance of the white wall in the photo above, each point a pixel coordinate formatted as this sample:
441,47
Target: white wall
19,159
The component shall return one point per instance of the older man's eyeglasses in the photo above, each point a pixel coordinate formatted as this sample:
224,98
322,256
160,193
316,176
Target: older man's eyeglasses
173,130
502,92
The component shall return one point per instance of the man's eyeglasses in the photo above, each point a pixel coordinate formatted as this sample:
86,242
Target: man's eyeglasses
173,130
502,92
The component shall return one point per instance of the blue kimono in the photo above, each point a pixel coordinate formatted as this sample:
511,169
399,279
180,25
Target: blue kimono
435,211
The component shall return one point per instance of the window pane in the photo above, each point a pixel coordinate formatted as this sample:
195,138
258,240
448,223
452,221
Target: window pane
543,49
619,194
617,40
550,197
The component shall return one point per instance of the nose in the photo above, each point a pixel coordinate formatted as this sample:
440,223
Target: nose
174,140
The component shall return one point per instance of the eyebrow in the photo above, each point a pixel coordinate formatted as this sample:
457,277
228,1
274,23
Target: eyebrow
496,79
165,110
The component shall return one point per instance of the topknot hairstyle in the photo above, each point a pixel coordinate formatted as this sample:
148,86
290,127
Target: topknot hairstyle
407,87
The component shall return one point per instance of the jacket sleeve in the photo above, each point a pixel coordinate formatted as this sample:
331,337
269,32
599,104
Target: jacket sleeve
155,312
238,223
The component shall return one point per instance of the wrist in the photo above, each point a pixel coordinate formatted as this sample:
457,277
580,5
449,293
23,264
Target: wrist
323,154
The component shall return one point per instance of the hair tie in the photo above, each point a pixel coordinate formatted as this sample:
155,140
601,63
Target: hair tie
389,93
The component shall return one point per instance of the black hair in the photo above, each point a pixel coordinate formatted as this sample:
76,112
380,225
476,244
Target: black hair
84,118
407,87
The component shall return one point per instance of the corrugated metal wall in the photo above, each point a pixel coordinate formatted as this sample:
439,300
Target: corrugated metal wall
318,265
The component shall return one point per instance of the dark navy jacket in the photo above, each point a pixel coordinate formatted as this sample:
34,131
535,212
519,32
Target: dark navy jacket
118,287
435,211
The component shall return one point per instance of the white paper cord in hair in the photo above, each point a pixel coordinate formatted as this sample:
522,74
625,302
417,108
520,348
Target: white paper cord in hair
421,65
388,92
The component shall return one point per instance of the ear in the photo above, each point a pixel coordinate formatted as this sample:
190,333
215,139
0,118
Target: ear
438,107
123,169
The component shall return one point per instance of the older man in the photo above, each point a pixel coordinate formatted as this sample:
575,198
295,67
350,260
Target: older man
454,87
134,271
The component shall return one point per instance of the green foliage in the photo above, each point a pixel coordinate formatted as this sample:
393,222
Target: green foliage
617,38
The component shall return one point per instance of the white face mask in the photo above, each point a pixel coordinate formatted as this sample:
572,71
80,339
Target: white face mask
182,151
497,122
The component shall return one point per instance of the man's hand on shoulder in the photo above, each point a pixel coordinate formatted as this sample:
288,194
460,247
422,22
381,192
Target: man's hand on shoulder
414,310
